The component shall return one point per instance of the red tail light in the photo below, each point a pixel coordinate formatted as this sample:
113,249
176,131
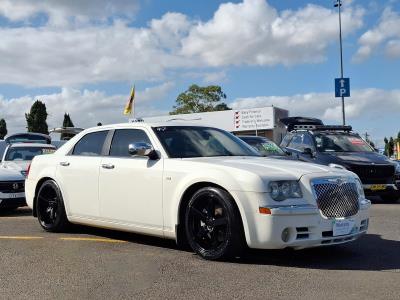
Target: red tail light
27,170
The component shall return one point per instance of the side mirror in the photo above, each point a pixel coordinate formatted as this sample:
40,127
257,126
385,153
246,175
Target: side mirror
308,151
142,149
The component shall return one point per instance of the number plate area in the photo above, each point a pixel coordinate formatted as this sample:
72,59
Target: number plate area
342,227
11,195
378,187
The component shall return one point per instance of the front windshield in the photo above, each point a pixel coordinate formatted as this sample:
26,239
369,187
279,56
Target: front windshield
26,153
265,147
341,143
189,141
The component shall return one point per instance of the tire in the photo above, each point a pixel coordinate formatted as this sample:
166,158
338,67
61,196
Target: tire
50,208
213,225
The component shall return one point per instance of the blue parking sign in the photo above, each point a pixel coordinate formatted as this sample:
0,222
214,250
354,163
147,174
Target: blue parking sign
342,87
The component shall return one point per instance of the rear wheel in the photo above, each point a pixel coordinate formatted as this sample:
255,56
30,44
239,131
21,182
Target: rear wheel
50,208
213,224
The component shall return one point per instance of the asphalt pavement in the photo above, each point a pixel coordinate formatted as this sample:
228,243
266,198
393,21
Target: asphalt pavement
89,263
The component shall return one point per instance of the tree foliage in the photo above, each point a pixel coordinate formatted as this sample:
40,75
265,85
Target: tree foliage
200,99
67,123
36,118
3,128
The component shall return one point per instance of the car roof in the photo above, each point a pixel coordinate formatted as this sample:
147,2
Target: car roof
26,145
144,124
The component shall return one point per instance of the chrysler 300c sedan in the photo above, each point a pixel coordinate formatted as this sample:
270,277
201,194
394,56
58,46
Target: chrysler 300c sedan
201,186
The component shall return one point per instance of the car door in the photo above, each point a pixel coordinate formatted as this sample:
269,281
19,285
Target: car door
130,187
78,175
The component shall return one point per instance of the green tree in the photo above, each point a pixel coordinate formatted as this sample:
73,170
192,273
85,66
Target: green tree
3,128
67,123
36,118
386,151
200,99
390,147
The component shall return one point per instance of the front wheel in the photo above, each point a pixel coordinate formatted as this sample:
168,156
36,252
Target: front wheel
50,208
213,224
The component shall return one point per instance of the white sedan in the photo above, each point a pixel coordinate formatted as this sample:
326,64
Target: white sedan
197,185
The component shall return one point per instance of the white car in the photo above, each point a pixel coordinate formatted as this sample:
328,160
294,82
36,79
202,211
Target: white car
194,184
12,189
18,156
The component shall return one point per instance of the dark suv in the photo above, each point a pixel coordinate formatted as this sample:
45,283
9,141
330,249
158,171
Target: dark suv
337,146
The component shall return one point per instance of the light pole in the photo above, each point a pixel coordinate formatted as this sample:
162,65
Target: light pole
338,4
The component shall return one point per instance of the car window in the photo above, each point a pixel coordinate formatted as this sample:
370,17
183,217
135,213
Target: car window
286,140
91,144
308,142
123,137
296,142
26,153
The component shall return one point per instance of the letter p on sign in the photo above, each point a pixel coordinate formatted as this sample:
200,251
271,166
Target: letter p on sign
342,87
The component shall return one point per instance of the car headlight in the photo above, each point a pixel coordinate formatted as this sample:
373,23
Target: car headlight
285,189
336,166
360,188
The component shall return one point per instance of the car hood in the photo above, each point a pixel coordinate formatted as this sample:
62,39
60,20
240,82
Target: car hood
10,175
270,167
361,158
21,165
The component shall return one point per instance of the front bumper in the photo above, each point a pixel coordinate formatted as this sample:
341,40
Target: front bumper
14,201
302,226
382,189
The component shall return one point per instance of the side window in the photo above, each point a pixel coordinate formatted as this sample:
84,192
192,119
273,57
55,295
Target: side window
91,144
296,142
123,137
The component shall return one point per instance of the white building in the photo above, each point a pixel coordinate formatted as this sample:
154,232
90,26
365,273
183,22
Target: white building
263,121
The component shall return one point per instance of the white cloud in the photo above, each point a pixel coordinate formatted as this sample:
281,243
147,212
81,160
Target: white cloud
86,107
255,33
61,12
251,32
214,77
386,34
367,104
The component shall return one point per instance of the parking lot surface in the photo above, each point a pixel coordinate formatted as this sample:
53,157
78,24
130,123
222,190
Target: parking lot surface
101,264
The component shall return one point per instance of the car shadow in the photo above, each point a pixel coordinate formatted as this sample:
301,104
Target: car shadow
123,236
370,253
21,211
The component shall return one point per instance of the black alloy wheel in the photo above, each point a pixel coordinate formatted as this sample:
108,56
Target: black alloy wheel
213,224
50,208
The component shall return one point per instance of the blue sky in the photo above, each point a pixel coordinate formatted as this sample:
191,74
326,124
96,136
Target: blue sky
83,58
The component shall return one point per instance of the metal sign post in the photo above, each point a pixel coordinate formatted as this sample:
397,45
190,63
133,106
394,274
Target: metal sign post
338,4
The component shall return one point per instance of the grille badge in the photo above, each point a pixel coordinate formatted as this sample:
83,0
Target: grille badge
15,186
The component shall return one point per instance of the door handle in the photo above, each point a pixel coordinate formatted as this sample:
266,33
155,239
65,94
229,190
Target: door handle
64,163
107,166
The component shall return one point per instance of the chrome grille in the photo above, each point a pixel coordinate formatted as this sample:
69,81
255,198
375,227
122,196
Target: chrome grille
336,199
12,186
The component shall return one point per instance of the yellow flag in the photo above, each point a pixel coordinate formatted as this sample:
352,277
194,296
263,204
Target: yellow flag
128,106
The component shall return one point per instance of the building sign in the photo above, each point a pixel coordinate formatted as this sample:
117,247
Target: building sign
230,120
253,119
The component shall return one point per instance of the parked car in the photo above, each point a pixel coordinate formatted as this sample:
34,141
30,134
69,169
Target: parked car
198,185
18,156
265,147
340,147
12,185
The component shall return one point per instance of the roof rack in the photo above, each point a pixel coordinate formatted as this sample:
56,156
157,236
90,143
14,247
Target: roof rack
323,127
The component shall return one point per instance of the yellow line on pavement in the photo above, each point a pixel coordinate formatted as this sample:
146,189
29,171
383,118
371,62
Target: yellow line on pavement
6,237
91,240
